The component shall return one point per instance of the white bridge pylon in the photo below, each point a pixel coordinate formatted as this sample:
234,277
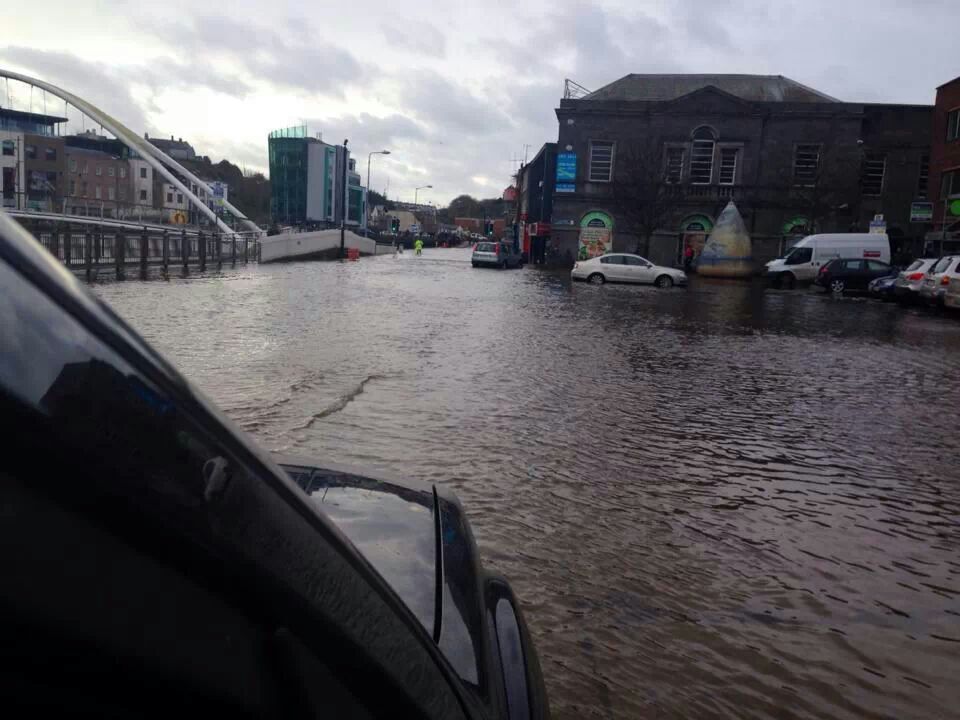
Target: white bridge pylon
156,158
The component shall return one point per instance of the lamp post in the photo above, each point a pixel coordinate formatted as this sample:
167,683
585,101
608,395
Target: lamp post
343,200
366,229
417,190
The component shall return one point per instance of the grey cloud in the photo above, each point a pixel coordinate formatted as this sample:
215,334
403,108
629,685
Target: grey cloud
444,104
296,59
368,133
94,82
421,38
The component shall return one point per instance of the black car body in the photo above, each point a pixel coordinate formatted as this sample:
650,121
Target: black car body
851,274
157,562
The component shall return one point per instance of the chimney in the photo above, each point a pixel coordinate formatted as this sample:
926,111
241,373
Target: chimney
171,138
146,136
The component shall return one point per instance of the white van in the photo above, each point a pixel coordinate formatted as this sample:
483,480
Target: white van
803,261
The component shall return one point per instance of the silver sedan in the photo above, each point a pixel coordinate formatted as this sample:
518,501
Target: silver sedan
626,268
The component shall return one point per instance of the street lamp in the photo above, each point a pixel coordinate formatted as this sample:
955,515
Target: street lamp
417,190
366,229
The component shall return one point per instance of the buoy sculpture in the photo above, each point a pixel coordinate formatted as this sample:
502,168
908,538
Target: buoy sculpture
728,251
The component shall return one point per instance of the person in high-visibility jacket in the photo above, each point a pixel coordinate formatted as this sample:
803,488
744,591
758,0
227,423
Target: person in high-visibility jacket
418,245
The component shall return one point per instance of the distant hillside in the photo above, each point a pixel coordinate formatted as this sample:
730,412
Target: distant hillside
250,192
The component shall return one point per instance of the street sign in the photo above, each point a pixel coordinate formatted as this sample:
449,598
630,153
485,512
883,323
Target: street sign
414,228
566,168
878,227
921,212
566,187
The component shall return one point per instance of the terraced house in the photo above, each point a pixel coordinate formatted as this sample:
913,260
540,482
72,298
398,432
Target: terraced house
649,161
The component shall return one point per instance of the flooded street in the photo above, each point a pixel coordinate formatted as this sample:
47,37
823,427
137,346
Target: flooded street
720,501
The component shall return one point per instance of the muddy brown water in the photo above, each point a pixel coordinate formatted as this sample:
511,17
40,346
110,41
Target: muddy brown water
718,501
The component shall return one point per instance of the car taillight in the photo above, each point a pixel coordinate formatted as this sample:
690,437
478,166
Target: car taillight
823,270
915,276
945,280
496,249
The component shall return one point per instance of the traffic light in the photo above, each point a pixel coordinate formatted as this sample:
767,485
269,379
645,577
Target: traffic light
395,224
488,227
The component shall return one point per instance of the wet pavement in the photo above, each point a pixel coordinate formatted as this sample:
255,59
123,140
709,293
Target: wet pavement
719,501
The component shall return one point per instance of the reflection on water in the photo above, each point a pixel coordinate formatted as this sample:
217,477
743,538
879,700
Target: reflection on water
718,501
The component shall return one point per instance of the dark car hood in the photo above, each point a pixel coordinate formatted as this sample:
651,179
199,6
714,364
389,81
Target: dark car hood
393,526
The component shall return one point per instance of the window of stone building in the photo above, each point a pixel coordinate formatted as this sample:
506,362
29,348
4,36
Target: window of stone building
143,194
73,187
874,168
728,165
950,184
953,125
169,197
601,161
50,154
111,171
701,156
84,169
806,164
73,166
123,193
143,173
30,152
99,171
674,172
111,193
9,147
123,171
179,199
97,192
923,180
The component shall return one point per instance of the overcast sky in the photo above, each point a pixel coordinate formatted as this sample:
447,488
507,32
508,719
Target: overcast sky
455,90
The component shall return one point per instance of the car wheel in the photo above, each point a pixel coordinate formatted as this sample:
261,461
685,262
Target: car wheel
837,286
788,281
664,281
474,264
596,279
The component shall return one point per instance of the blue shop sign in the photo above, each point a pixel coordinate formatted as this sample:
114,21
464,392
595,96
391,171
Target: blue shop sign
566,168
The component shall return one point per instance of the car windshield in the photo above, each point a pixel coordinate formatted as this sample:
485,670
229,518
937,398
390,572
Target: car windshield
915,265
798,255
486,247
941,266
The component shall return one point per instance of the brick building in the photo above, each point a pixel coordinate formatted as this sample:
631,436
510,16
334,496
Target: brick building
945,168
651,160
31,161
98,177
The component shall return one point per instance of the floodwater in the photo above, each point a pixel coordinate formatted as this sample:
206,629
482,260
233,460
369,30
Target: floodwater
718,501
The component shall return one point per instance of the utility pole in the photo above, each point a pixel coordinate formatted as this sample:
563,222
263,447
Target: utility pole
343,202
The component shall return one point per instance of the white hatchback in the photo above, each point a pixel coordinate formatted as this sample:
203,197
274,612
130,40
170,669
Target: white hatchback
622,267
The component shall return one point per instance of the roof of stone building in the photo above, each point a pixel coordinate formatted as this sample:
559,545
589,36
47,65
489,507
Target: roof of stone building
763,88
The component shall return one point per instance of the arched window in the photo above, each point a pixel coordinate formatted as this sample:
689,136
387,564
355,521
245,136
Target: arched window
701,155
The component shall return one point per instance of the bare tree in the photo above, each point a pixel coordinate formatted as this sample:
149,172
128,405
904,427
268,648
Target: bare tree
641,194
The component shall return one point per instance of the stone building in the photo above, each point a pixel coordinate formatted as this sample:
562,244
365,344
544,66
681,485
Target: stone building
649,161
945,170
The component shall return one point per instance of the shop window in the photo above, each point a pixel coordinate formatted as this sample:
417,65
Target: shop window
601,161
874,168
728,165
806,164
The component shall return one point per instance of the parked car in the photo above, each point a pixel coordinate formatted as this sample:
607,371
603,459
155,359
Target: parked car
157,563
626,268
883,287
951,282
842,275
805,259
910,280
492,253
937,279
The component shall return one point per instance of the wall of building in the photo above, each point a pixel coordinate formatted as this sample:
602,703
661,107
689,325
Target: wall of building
98,184
765,137
43,163
944,155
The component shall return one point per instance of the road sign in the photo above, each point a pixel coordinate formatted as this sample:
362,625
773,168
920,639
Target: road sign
565,187
878,227
566,168
921,212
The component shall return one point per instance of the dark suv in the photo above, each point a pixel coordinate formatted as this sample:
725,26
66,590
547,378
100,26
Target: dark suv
844,274
156,563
